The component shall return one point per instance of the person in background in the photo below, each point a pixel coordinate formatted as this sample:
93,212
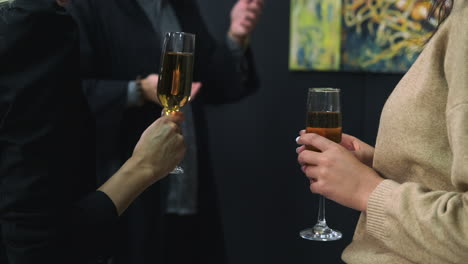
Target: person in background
51,210
412,188
123,52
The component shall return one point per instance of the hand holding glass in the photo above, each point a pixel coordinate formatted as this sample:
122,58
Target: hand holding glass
323,118
175,77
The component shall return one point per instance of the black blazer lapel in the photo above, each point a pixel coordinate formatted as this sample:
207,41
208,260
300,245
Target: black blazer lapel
142,6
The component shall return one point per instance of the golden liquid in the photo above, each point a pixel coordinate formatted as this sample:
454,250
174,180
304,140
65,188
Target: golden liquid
175,80
326,124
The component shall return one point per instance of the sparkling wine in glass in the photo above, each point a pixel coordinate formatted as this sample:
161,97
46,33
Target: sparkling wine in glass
175,77
323,118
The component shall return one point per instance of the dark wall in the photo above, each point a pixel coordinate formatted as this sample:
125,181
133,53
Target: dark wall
264,197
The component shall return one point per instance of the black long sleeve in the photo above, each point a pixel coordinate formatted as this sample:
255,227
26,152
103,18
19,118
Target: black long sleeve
49,209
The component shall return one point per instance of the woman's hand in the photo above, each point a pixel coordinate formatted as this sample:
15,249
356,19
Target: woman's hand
161,146
337,173
361,150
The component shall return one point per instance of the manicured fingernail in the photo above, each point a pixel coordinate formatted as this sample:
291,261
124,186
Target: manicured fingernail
303,168
297,139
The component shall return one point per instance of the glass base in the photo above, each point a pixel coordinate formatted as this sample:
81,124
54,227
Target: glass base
177,170
320,233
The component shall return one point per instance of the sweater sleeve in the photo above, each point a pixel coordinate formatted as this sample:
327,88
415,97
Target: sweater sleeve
410,218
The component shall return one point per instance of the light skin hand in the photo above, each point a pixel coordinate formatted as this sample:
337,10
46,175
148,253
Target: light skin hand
244,18
336,173
160,148
361,150
149,86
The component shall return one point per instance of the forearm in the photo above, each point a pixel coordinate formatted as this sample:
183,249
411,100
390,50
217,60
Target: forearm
160,148
126,184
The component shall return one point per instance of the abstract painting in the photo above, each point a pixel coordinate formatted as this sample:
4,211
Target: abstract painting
315,34
358,35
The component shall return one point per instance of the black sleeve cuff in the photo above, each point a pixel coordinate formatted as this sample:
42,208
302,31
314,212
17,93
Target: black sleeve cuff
95,225
99,208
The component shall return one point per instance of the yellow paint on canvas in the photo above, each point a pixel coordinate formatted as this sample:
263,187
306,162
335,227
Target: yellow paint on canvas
315,35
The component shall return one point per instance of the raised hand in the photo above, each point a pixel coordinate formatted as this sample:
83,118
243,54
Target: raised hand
244,18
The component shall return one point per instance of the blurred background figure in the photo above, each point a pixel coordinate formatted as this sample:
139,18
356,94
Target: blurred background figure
123,52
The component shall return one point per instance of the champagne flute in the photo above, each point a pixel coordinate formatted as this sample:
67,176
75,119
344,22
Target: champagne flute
175,78
323,118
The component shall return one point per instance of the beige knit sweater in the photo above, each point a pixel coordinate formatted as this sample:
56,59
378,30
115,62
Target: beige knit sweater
419,214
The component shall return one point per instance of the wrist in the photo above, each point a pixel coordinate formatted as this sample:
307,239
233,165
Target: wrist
138,169
241,40
126,184
139,90
370,185
146,172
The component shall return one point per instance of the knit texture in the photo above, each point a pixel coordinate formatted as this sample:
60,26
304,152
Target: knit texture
420,213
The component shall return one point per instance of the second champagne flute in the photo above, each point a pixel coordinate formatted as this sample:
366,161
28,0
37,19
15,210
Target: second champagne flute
323,118
175,77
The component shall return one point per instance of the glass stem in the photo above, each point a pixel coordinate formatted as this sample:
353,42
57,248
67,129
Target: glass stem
321,212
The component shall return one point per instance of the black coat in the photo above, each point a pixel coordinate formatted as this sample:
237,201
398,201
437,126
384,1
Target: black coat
49,209
118,44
